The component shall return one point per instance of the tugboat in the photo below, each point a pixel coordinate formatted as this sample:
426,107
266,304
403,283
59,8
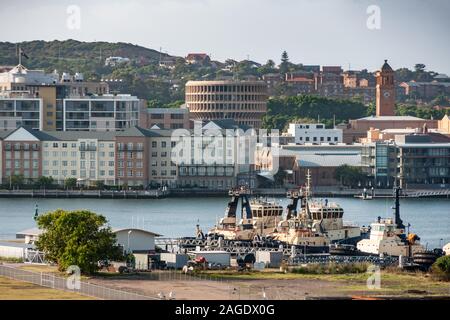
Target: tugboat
317,225
258,218
388,236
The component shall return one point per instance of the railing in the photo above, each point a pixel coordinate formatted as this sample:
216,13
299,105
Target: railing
50,280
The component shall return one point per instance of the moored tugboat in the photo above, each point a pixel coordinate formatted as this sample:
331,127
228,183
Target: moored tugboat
388,236
257,219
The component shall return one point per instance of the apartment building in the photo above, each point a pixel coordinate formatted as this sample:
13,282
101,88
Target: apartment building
164,118
101,113
133,157
52,102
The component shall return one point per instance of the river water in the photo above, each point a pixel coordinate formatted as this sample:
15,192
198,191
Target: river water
173,217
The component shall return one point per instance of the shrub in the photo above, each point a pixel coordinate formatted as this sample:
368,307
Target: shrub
441,268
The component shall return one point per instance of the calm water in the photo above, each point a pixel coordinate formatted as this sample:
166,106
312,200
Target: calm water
430,219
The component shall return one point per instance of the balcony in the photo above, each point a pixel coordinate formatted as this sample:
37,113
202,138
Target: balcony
87,148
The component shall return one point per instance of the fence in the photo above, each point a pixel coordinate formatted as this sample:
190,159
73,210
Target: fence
50,280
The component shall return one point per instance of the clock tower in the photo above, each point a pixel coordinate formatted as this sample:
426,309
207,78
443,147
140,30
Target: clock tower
385,91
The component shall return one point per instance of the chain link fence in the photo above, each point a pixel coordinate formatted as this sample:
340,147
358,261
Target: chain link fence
50,280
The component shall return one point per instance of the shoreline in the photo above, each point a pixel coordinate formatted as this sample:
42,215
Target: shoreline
183,193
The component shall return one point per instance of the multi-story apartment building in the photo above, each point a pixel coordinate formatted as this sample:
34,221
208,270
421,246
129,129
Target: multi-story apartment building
100,113
423,161
243,101
417,160
49,102
164,118
133,157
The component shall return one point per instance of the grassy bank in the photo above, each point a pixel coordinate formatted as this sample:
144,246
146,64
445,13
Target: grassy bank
18,290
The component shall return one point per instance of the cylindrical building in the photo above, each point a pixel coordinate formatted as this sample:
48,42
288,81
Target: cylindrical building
243,101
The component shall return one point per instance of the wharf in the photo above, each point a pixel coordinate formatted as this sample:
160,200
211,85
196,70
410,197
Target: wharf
99,194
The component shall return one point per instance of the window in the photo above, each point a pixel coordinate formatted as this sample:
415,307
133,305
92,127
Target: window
102,173
154,154
92,165
102,163
73,163
111,172
163,144
55,163
111,163
154,145
55,144
64,163
111,154
64,145
73,172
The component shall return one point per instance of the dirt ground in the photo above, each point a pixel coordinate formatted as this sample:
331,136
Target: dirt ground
226,290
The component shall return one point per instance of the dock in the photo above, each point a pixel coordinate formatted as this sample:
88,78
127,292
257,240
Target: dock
99,194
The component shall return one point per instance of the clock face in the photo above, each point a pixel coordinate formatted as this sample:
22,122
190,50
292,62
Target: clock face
387,94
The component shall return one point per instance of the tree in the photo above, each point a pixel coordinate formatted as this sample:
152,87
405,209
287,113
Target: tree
16,180
99,184
419,67
441,268
44,182
80,238
350,176
70,183
284,66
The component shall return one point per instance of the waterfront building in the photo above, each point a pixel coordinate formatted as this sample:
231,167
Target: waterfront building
164,118
315,133
133,157
243,101
419,159
379,162
423,161
321,160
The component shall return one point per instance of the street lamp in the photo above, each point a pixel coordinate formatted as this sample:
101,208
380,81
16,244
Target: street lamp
129,232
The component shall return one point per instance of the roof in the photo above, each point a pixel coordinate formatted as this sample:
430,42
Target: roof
167,110
115,230
329,159
135,131
386,66
30,232
228,124
37,231
391,118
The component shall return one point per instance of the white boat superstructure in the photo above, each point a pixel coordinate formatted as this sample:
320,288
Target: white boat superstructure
388,236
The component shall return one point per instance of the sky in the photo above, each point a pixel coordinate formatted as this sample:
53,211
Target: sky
324,32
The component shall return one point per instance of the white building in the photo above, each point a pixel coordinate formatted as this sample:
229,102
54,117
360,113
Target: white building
314,133
131,239
115,61
101,113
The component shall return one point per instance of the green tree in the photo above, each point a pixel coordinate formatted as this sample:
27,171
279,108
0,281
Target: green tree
44,182
99,184
441,268
350,176
80,238
16,180
70,183
284,65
